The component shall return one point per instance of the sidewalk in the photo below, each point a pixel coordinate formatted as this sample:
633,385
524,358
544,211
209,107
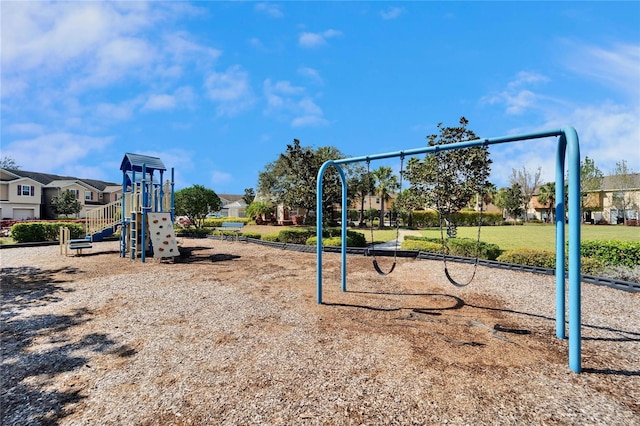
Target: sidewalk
393,244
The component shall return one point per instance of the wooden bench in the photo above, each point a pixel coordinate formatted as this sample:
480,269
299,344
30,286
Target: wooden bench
234,227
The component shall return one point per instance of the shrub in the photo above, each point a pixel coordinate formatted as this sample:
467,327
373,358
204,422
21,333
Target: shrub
274,238
296,236
530,257
625,273
254,235
44,231
421,245
332,241
456,246
547,259
613,253
467,247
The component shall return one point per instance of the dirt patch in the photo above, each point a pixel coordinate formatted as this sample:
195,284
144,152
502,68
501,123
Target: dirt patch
231,333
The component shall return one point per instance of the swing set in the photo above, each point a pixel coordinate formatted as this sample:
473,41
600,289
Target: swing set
568,145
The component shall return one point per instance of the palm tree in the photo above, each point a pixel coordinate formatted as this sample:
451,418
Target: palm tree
386,182
547,194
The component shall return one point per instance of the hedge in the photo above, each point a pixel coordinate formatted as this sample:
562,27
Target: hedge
429,218
44,231
613,253
254,235
333,242
455,246
547,259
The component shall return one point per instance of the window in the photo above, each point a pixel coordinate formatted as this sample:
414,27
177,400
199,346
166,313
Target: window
26,190
88,195
100,196
75,193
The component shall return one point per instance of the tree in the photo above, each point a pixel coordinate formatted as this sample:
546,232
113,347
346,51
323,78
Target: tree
195,202
529,184
258,210
385,183
66,203
291,179
591,179
407,201
249,195
510,199
8,162
450,179
360,185
547,195
623,180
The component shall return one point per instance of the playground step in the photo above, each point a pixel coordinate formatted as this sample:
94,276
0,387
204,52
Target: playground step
78,246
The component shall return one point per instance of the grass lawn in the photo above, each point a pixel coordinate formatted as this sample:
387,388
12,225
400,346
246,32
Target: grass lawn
539,236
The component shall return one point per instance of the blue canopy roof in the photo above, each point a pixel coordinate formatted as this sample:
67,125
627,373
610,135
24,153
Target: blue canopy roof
136,161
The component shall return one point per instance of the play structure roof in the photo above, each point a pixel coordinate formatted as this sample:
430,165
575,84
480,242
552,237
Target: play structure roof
136,161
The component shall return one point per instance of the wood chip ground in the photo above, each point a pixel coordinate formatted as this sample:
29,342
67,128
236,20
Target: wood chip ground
231,334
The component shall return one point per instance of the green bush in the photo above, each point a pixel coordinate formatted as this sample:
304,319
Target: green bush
429,218
44,231
254,235
547,259
333,241
455,246
530,257
467,247
296,236
612,253
421,245
274,238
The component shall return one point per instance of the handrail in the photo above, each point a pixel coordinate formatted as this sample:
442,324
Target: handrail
103,217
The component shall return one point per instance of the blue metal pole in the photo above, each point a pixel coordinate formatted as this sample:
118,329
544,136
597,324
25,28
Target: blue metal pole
143,231
172,196
575,314
560,219
123,221
319,230
343,232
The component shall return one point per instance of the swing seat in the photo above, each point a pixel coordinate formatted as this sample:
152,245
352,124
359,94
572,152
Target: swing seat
380,271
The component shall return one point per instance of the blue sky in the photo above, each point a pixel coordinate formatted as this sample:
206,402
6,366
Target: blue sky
218,89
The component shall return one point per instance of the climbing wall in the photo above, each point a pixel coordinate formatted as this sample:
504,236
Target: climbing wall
162,236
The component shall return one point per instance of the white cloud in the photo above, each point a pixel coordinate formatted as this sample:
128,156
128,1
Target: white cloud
289,103
392,13
159,102
608,133
53,152
616,66
311,74
309,40
269,9
310,114
218,177
25,128
230,90
516,97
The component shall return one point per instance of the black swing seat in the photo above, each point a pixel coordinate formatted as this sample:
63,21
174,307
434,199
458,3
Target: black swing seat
380,271
454,282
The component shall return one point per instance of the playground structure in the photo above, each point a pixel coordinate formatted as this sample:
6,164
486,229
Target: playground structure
144,214
568,145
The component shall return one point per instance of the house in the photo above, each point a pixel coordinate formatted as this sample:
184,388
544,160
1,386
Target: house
617,199
28,195
233,205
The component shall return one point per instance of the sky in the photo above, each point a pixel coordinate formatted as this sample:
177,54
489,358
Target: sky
217,90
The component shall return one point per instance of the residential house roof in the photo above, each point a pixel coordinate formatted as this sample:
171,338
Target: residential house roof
46,179
612,183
